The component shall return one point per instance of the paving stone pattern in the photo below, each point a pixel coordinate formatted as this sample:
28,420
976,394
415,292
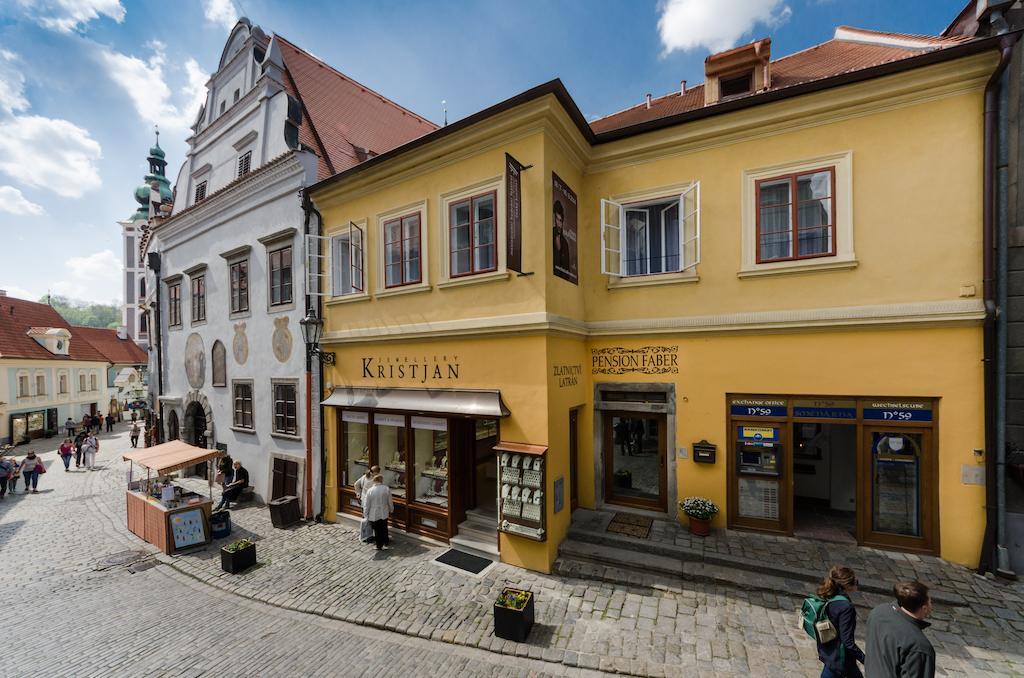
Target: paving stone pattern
86,598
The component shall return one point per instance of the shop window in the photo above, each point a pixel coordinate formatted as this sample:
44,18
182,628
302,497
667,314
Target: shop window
40,385
280,276
430,447
796,216
199,298
347,262
472,235
242,399
651,237
200,192
402,251
391,451
239,273
23,386
244,163
285,408
355,447
174,304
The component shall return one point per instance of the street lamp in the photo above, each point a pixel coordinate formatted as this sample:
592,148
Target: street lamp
312,330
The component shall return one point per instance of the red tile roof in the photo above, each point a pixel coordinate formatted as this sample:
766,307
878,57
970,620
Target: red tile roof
853,49
18,316
106,342
346,122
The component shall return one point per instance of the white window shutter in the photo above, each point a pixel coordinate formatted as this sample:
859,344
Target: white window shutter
689,226
611,237
356,258
317,264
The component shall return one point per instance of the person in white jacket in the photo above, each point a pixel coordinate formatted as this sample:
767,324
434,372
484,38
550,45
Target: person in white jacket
362,486
377,506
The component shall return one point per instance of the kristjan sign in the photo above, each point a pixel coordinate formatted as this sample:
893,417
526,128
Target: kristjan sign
415,369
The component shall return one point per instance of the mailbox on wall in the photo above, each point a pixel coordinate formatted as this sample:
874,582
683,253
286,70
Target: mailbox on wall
704,452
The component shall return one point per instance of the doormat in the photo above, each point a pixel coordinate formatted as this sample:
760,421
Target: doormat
631,525
464,561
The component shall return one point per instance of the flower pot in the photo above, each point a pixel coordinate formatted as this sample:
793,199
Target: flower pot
514,624
700,527
234,562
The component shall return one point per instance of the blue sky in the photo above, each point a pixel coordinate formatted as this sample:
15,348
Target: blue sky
82,82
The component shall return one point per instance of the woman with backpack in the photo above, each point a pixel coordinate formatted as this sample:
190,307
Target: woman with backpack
836,623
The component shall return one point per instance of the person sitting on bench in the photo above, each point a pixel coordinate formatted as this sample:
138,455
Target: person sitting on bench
233,489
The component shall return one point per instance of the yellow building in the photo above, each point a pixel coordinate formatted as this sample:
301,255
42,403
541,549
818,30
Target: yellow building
765,290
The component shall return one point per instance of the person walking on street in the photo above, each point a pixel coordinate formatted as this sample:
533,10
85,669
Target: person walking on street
239,481
31,467
95,423
90,446
110,423
79,439
65,450
377,506
362,486
896,644
134,434
839,654
86,423
6,471
69,427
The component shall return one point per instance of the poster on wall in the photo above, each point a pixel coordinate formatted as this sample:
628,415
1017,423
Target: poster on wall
513,214
563,230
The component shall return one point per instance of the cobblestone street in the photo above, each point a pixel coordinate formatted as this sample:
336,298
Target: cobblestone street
321,603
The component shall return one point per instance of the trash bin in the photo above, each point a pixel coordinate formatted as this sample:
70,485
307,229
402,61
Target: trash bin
220,524
284,511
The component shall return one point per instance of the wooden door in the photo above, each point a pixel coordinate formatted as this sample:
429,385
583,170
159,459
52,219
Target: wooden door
285,481
899,494
574,495
634,459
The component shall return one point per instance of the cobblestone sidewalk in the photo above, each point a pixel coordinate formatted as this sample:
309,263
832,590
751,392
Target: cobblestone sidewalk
662,628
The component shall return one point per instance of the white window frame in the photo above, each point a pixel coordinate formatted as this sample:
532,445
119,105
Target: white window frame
380,279
613,234
343,237
94,382
841,164
63,374
496,184
35,378
83,382
25,393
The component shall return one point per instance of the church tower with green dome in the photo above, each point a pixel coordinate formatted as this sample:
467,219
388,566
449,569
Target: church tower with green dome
155,189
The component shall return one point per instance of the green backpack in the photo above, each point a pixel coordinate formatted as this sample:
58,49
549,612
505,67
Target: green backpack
812,613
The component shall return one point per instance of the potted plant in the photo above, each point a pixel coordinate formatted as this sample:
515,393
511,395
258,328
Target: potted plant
513,614
623,479
699,510
238,555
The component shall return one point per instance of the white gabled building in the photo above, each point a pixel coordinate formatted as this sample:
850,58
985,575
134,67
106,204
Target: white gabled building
225,278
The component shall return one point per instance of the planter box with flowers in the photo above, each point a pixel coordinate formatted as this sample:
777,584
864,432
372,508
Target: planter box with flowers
699,510
238,555
513,614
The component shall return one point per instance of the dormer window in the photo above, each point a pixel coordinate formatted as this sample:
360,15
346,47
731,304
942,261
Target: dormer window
53,339
244,163
200,191
737,85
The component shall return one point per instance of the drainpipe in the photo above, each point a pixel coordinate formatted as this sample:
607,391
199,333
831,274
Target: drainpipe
307,206
153,262
994,556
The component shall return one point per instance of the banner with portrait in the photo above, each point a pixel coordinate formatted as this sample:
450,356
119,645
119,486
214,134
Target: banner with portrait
563,231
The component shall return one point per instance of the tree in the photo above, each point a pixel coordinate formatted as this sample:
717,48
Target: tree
84,313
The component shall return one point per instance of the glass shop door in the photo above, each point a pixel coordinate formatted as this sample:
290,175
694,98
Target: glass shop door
899,492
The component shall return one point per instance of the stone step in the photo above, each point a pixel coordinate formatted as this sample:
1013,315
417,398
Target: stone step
757,568
621,566
484,548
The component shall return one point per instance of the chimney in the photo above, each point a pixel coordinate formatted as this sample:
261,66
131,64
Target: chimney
648,100
122,332
682,87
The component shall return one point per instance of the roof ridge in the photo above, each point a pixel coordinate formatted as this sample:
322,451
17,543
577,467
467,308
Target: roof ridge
354,81
895,39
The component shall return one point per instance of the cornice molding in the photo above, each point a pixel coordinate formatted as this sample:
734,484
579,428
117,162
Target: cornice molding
953,312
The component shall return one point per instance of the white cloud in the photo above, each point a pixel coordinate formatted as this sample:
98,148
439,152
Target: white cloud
221,12
66,16
19,292
144,81
12,84
13,202
716,25
96,277
49,153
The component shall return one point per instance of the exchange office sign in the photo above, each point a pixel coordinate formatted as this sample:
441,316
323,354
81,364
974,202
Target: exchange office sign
417,369
643,360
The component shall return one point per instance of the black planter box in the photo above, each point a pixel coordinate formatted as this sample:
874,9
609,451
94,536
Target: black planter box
235,562
514,624
284,511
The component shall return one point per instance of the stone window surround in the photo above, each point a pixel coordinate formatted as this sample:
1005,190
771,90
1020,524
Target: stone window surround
273,242
496,184
381,289
231,257
667,408
274,382
195,272
252,391
170,281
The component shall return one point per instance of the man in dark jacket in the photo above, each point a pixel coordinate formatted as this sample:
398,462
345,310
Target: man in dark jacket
232,490
897,646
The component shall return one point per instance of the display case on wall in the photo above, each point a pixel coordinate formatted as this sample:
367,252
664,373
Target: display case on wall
391,452
522,490
430,452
